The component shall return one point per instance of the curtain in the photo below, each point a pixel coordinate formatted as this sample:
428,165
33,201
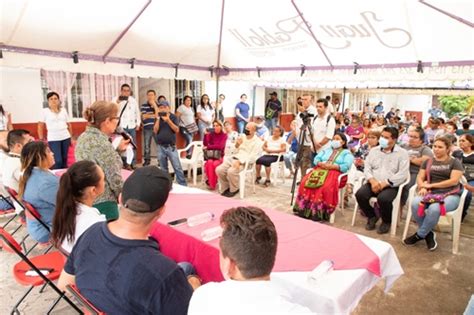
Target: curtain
107,87
86,89
59,81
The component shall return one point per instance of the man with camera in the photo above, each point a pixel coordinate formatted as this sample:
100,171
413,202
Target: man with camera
306,113
130,118
149,111
166,127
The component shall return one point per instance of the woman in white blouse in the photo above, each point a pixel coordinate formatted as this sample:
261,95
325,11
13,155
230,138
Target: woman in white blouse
205,114
273,146
74,214
59,129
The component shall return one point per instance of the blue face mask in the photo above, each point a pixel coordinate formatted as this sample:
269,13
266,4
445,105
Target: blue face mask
383,143
335,144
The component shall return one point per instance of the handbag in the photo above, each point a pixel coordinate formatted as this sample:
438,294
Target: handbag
318,176
430,198
212,154
192,127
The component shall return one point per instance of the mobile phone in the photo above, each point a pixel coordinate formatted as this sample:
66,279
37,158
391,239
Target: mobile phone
178,222
33,273
211,129
123,98
161,114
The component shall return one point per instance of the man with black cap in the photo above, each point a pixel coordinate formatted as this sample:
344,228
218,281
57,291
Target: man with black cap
117,267
166,127
272,111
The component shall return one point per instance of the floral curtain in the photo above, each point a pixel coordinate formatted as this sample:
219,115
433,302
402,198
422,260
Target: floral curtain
59,81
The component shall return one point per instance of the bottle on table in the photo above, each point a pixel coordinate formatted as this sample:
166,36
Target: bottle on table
200,219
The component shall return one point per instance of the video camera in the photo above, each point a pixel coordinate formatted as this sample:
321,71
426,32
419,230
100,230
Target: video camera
306,117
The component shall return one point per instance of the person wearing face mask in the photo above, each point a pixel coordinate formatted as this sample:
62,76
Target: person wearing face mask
262,130
385,168
248,148
318,191
248,249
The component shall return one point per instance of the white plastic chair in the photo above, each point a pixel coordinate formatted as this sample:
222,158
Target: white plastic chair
196,160
395,206
341,191
278,167
249,169
454,217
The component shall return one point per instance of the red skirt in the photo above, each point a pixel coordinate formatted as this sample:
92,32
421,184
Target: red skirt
318,203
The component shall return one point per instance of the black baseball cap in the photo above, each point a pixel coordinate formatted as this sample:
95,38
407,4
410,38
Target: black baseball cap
146,190
274,93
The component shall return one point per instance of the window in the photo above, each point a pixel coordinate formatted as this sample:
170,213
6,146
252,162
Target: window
192,88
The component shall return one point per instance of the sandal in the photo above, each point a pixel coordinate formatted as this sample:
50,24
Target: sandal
267,183
257,180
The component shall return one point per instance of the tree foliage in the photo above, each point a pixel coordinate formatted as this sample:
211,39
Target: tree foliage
453,105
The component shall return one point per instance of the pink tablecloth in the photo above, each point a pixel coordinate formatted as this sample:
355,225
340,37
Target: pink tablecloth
302,244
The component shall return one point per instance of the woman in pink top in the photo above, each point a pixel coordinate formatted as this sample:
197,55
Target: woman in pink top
355,131
214,140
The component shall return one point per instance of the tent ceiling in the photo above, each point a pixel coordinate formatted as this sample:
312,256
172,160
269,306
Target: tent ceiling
265,33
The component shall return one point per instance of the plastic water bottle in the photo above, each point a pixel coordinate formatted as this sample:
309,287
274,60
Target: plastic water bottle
211,234
322,269
200,218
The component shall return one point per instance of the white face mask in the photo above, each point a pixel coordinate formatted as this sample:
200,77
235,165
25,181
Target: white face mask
335,144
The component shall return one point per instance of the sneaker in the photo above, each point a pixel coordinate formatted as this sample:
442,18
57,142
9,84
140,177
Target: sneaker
146,163
412,240
430,240
371,223
383,228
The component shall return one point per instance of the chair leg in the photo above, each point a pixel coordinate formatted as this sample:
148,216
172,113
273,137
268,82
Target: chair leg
455,235
242,186
15,308
354,214
407,224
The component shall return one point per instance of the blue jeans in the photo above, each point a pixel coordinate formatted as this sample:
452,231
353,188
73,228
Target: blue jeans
289,159
133,133
432,213
188,137
468,200
170,152
271,123
60,149
241,126
147,136
187,268
202,128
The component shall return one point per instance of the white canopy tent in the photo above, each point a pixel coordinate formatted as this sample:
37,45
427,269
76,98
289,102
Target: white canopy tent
293,43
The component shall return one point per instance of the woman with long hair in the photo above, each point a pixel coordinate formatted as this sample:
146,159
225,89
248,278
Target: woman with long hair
78,188
214,141
56,120
319,189
466,156
94,145
38,186
438,192
187,121
205,114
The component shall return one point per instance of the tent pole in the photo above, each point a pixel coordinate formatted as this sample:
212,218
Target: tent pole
343,98
218,69
125,31
453,16
311,32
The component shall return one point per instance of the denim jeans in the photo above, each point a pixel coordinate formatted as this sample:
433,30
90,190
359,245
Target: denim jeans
170,152
289,159
432,213
188,137
271,123
187,268
133,133
468,200
241,126
60,149
147,136
202,128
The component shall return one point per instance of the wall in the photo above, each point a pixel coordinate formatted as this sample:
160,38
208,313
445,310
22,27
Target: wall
20,93
418,103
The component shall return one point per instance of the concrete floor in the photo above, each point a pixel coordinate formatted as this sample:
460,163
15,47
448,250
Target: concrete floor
434,282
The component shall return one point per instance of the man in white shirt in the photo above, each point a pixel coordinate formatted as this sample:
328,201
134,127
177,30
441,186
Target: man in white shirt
130,112
309,111
324,125
249,147
16,139
247,254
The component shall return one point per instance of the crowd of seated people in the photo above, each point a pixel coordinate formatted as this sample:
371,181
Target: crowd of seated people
90,210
